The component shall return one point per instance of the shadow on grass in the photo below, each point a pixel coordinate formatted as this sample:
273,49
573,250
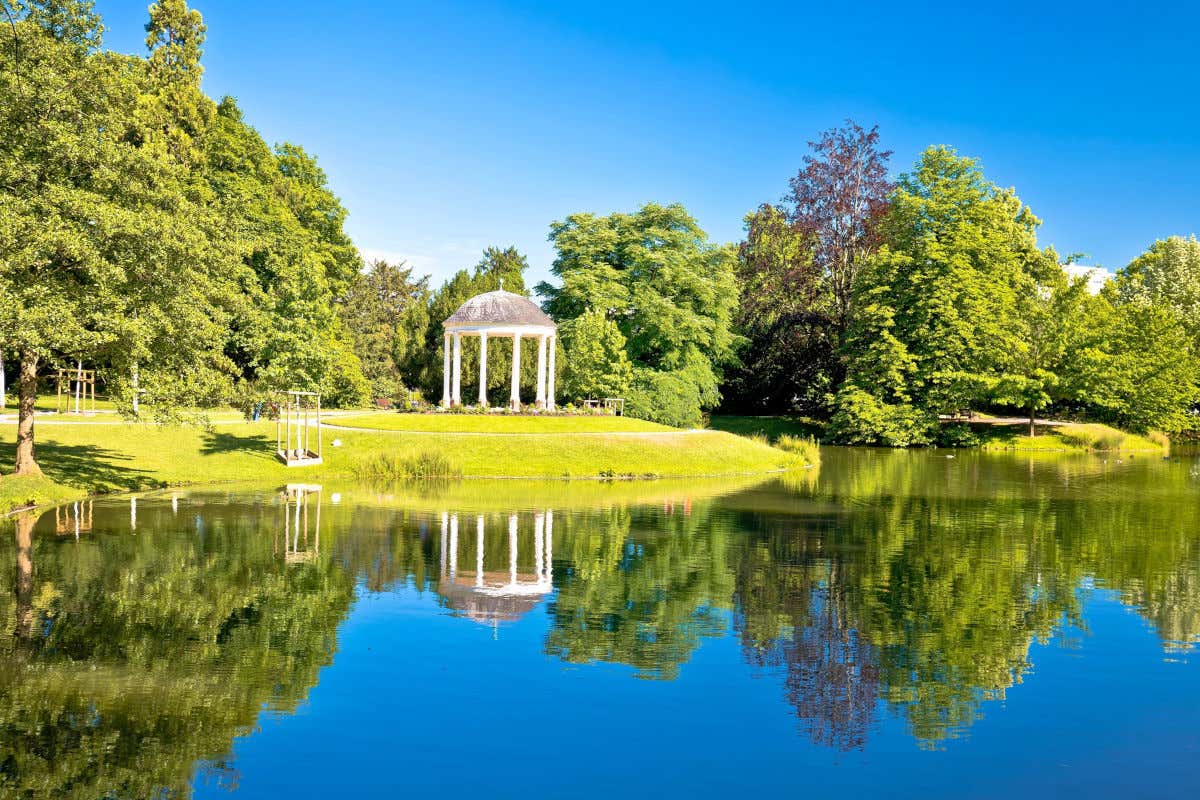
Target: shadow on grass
220,443
85,466
770,426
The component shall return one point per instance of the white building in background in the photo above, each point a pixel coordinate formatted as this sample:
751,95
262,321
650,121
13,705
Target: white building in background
1096,276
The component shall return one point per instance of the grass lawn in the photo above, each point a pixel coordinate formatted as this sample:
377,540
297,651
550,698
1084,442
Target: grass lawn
100,458
1091,437
495,423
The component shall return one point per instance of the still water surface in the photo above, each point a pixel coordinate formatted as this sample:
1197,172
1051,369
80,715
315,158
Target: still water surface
893,625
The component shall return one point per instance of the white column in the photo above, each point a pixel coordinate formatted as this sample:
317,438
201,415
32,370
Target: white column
541,373
446,371
515,390
483,403
550,403
479,552
456,385
512,549
453,546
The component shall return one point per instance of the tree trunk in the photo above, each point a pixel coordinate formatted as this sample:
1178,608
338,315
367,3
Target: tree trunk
1032,421
26,465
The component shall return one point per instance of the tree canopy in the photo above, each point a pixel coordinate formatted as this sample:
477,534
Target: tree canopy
669,290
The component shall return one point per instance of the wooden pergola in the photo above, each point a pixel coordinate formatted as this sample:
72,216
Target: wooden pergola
80,383
293,440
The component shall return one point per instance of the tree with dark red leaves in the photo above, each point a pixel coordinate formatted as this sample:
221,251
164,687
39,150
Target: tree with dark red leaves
837,200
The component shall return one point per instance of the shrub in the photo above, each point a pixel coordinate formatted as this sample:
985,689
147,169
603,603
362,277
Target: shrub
957,435
863,419
666,398
420,466
1160,439
803,446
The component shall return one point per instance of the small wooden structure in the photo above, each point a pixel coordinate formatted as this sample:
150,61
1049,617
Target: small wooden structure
293,438
79,383
613,405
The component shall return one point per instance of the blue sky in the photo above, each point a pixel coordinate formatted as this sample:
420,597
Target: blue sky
447,126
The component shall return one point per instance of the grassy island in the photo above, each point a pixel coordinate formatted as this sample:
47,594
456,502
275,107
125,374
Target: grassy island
108,455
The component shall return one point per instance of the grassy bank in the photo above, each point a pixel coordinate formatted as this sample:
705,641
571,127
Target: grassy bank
101,458
1068,437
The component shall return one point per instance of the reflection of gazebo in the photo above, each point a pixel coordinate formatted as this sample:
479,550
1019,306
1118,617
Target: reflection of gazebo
295,523
496,596
505,315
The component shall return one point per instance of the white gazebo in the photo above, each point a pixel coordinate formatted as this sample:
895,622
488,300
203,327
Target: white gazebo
502,315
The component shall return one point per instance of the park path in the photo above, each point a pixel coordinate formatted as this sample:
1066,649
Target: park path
687,432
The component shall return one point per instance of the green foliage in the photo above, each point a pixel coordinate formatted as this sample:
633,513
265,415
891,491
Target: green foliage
1143,373
1168,276
938,323
861,418
671,293
386,311
595,363
669,398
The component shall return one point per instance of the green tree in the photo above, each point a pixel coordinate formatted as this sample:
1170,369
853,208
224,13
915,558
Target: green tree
790,360
655,274
386,311
1142,372
1054,323
937,321
1166,275
100,235
595,361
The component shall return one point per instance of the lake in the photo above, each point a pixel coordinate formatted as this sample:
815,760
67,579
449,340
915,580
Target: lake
894,624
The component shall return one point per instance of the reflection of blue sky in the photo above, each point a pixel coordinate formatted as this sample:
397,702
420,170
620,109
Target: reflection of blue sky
459,713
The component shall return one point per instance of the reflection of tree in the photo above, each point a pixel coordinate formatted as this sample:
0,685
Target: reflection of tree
139,655
932,577
793,614
642,588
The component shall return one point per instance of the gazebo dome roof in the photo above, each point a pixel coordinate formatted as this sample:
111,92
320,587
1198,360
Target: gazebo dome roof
499,308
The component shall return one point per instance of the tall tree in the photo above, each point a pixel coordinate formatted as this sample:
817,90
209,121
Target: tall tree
797,268
838,199
1167,275
386,310
655,274
95,225
936,307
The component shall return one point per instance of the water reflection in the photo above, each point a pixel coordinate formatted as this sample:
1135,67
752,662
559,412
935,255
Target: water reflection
493,596
891,585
